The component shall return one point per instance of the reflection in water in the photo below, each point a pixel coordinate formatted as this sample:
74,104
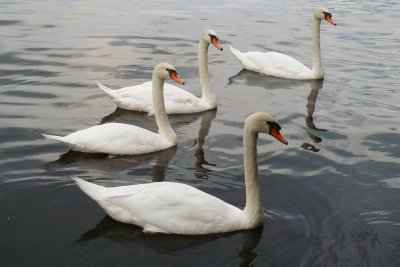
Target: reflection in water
316,85
206,119
308,146
166,244
268,82
117,163
251,238
162,161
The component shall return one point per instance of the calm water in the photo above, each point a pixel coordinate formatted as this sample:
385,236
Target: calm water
331,197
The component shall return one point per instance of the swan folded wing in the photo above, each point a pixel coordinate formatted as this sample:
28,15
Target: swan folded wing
178,100
276,64
171,208
118,139
249,60
138,97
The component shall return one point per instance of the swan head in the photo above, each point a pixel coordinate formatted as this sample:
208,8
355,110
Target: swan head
323,13
264,123
210,36
165,71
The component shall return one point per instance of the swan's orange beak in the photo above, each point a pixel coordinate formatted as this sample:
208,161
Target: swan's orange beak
275,133
215,42
174,76
330,20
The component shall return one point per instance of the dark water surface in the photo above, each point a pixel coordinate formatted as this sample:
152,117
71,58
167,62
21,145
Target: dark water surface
331,197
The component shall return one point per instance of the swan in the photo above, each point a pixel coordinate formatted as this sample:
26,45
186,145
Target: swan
177,100
125,139
176,208
280,65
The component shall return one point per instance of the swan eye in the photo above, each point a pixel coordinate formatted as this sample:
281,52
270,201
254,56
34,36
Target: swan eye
327,14
212,36
273,125
274,129
171,71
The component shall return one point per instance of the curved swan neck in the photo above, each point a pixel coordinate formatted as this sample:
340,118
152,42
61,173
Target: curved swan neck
316,49
164,127
253,210
207,93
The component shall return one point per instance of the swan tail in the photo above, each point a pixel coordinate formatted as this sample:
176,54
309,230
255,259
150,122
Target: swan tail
245,60
54,137
94,191
63,140
236,52
106,90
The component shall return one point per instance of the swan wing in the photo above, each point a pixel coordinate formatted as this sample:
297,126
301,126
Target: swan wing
138,97
167,207
117,139
178,100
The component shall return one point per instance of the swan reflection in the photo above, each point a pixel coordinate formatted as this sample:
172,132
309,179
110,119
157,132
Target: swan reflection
251,78
201,162
316,85
117,163
123,233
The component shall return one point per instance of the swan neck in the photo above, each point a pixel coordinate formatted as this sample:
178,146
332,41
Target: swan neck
253,209
207,93
316,49
164,127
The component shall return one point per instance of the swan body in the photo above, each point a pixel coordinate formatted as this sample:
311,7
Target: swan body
139,98
149,206
175,208
115,139
283,66
177,101
273,64
125,139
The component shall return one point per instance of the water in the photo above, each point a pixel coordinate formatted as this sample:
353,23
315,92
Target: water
331,197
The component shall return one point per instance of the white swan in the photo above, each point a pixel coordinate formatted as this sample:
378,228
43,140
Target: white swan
280,65
125,139
175,208
177,100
